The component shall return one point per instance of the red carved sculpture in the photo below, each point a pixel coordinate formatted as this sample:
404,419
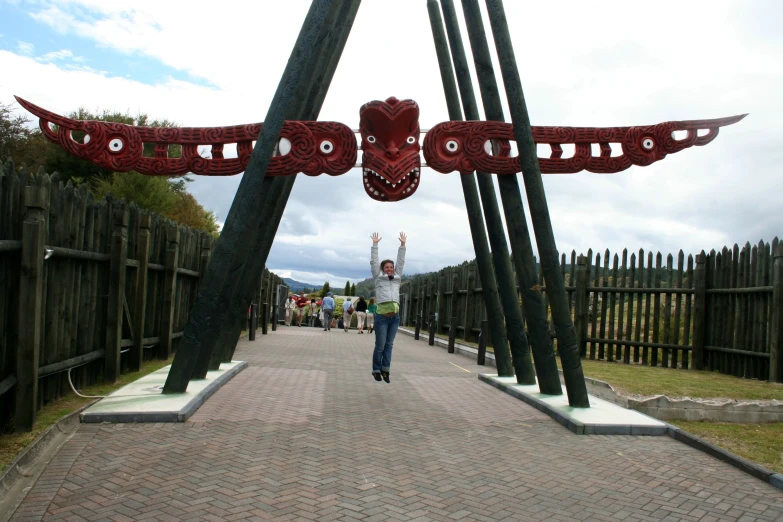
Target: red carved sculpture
391,165
305,146
465,146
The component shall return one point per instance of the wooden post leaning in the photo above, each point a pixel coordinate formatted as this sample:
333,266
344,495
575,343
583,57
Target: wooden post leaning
30,303
117,270
776,340
143,248
169,285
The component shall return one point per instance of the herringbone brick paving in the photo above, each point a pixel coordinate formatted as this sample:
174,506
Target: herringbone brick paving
305,433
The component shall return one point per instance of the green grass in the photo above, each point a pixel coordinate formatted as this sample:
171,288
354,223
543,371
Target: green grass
760,443
12,444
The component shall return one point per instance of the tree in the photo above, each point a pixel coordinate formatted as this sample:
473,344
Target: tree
353,289
347,290
306,290
325,289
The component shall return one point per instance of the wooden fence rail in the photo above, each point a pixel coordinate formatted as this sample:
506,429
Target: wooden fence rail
89,287
721,311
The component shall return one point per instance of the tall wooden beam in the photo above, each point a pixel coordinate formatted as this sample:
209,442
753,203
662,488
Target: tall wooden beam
576,389
535,311
238,234
489,285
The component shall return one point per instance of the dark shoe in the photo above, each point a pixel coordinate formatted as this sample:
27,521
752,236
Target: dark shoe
386,377
361,332
326,329
377,376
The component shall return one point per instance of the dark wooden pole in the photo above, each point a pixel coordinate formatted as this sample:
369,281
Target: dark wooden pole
417,332
482,345
431,331
36,199
475,218
535,311
580,305
117,270
452,333
169,288
321,69
239,232
576,389
136,355
501,257
253,321
776,334
699,310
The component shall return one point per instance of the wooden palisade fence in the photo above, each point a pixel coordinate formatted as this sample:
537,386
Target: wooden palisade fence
722,311
90,289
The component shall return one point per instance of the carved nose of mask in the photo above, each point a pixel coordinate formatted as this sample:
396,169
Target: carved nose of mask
393,153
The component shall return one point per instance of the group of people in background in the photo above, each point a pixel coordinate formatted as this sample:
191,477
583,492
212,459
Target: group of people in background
322,312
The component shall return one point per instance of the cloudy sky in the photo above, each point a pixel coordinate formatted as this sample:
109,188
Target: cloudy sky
582,64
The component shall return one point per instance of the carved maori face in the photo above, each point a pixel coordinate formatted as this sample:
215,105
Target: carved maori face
391,165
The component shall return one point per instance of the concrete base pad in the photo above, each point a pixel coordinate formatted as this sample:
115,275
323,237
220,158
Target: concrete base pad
602,418
143,400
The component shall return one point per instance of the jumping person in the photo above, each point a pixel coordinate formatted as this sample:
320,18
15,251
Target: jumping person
387,278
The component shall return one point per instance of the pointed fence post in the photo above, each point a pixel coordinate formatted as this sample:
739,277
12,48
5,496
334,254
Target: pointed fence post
142,253
117,270
699,310
776,344
36,199
581,298
169,286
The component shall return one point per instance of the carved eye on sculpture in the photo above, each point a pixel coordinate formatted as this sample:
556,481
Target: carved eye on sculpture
648,143
327,147
411,140
371,139
284,146
452,146
116,145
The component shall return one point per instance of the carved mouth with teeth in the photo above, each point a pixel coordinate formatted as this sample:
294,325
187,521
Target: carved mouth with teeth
381,188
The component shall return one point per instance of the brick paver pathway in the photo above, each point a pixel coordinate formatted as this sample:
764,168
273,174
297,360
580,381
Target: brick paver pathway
306,433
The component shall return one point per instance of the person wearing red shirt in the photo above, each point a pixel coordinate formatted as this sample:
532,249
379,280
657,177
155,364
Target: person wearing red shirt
301,302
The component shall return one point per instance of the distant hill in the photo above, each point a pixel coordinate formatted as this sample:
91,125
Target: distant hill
298,286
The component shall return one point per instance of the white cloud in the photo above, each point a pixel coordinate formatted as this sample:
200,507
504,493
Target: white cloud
624,64
25,48
63,54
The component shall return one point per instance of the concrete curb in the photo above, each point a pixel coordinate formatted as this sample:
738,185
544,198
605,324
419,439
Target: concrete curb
28,466
181,415
680,435
576,426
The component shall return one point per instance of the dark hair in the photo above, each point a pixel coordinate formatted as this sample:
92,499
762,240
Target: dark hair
361,298
383,263
372,300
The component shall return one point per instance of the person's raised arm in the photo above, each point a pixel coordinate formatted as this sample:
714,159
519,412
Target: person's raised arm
375,264
400,254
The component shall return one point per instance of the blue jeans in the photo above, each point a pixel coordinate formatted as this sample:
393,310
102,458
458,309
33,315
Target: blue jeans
385,331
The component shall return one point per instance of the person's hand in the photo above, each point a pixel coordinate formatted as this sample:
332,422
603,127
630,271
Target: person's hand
403,238
375,238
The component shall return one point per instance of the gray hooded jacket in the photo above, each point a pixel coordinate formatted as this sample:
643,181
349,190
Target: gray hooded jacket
386,289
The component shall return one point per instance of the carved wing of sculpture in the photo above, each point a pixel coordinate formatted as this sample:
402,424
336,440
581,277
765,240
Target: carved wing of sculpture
311,147
465,146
